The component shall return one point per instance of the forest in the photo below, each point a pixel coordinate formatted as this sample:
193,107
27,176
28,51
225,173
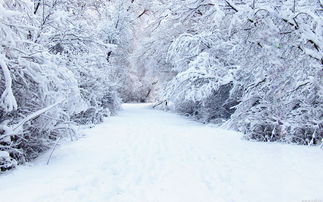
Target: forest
254,66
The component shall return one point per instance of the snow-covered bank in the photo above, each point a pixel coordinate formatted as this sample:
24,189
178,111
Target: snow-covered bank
144,155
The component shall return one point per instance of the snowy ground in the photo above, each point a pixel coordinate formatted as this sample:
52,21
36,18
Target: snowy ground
152,156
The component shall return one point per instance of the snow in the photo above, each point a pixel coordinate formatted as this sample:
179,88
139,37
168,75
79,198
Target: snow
143,155
7,98
4,154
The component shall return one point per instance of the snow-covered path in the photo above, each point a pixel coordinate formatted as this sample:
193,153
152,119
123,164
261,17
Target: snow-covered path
144,155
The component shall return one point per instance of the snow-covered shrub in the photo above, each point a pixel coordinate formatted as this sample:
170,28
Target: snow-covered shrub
205,79
55,71
6,162
264,69
31,85
86,38
282,79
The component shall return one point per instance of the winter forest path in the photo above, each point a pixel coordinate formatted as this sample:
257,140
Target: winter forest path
143,155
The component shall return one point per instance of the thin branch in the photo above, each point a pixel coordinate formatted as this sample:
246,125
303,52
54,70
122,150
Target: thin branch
231,6
36,114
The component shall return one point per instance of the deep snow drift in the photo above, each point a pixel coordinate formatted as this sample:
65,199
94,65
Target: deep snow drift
144,155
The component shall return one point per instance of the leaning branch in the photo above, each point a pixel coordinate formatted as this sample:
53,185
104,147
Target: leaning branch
35,114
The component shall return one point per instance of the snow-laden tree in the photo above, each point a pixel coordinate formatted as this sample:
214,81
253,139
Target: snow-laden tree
256,64
32,84
281,80
62,63
81,34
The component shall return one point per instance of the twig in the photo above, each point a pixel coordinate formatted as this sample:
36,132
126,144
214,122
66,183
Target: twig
51,154
231,6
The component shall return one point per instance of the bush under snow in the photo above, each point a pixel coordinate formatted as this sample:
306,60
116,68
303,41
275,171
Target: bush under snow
55,73
255,65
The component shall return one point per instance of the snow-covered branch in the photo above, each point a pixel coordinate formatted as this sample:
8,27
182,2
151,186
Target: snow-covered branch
7,100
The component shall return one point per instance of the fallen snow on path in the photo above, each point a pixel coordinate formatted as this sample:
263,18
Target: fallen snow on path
144,155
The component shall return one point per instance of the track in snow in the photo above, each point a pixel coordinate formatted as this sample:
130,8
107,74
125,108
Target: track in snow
144,155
